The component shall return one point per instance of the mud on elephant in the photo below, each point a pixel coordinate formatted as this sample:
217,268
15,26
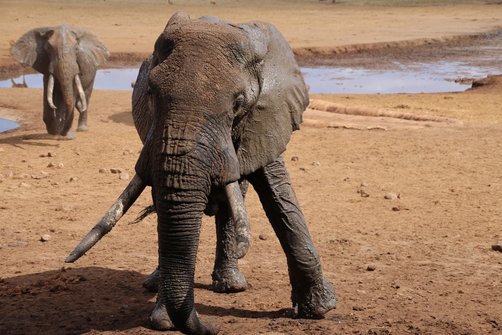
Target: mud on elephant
215,105
68,57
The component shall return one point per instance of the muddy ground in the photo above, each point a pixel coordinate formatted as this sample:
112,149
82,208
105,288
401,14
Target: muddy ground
434,271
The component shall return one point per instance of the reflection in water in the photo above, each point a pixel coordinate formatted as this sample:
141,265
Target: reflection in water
418,78
7,125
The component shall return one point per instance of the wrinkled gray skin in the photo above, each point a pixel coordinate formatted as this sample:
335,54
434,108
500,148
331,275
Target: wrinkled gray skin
217,103
68,58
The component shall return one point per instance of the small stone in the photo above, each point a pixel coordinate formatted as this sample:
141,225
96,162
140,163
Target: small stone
72,179
45,238
42,175
58,165
51,154
364,184
363,193
396,209
115,170
103,170
124,176
371,267
127,152
263,237
24,185
497,246
392,196
295,159
316,163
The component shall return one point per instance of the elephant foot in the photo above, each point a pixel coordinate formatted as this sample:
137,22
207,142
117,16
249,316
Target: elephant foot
152,281
315,301
229,281
69,136
159,320
82,127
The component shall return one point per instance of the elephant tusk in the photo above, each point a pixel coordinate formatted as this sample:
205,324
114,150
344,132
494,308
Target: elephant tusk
50,91
239,217
108,221
81,93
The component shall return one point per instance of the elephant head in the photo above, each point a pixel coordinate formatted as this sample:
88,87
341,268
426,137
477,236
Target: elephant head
68,57
214,103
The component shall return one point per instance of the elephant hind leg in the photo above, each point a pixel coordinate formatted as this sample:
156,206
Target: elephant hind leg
312,294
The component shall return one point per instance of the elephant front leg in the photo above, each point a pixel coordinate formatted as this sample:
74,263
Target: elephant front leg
226,275
82,118
312,294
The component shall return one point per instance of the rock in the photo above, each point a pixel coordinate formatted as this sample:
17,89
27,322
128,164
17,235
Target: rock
497,246
363,193
295,159
58,165
316,163
396,209
49,154
24,185
263,237
392,196
72,179
364,184
103,170
371,267
115,170
124,176
42,175
45,238
127,152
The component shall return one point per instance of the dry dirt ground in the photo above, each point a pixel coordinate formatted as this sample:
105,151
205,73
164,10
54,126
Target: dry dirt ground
430,249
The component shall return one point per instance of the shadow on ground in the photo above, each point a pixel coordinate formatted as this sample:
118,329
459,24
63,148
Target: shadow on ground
73,301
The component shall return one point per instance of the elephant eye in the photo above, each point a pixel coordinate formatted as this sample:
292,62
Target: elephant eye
238,103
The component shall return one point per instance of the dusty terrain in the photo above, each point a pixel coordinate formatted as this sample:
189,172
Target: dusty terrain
433,270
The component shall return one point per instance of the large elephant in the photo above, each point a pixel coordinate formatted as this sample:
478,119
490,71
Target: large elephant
68,57
216,104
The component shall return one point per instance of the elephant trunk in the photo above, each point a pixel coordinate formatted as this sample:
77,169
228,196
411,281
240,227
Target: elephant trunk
81,94
179,220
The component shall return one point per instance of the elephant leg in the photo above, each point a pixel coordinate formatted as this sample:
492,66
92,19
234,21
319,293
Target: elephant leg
152,281
159,319
312,294
82,118
226,275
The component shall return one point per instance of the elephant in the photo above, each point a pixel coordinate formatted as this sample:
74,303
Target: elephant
215,106
68,57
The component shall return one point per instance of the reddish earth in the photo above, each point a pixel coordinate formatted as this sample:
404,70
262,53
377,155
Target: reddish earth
420,263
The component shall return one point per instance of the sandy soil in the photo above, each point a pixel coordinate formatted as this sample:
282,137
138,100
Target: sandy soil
430,249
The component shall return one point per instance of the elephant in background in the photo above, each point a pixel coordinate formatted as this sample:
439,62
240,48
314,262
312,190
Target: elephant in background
68,57
215,106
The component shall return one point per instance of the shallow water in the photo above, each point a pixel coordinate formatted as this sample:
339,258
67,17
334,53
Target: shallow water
7,125
417,78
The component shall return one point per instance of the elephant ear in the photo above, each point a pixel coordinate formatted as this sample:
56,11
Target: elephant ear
267,128
91,50
29,49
